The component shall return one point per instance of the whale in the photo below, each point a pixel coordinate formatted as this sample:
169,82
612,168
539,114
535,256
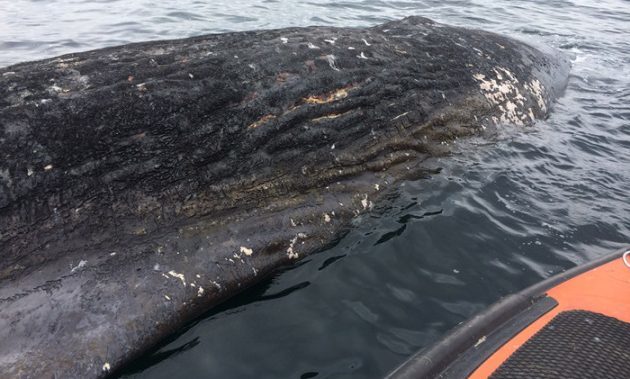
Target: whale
141,185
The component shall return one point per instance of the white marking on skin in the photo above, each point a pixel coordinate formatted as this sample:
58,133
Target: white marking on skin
377,187
284,39
9,73
178,276
79,266
167,297
113,253
216,285
366,42
191,76
331,62
156,267
252,66
326,218
350,48
293,223
48,167
362,56
198,276
246,251
331,41
399,116
106,366
200,291
166,276
311,46
332,147
29,171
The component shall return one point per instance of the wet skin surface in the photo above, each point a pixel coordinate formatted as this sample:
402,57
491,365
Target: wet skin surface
144,184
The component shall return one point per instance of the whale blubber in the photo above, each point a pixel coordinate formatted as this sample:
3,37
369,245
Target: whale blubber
136,180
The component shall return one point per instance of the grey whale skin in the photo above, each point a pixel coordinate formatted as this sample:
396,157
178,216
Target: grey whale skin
140,185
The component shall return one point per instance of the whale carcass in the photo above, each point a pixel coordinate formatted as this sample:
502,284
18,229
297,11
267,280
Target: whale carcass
140,185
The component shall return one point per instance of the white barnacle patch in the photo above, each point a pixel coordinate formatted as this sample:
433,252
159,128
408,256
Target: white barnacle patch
350,48
178,276
503,92
362,56
200,291
290,251
312,46
284,39
537,90
377,187
366,42
364,202
246,251
331,40
167,297
29,172
106,367
326,218
81,264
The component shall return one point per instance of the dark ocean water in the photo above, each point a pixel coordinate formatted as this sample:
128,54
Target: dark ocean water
503,213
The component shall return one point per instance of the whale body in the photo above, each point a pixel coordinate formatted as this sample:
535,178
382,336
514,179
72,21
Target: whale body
141,185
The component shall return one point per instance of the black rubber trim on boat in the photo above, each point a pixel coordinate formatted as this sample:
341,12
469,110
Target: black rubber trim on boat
433,362
472,358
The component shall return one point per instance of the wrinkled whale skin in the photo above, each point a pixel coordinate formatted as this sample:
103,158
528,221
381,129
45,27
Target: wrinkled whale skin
140,185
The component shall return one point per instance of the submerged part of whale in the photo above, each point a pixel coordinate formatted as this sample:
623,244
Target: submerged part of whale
142,184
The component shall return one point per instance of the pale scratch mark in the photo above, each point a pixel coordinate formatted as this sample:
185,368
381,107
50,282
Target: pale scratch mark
332,62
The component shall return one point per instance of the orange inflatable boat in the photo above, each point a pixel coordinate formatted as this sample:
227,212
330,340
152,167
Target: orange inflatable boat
573,325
